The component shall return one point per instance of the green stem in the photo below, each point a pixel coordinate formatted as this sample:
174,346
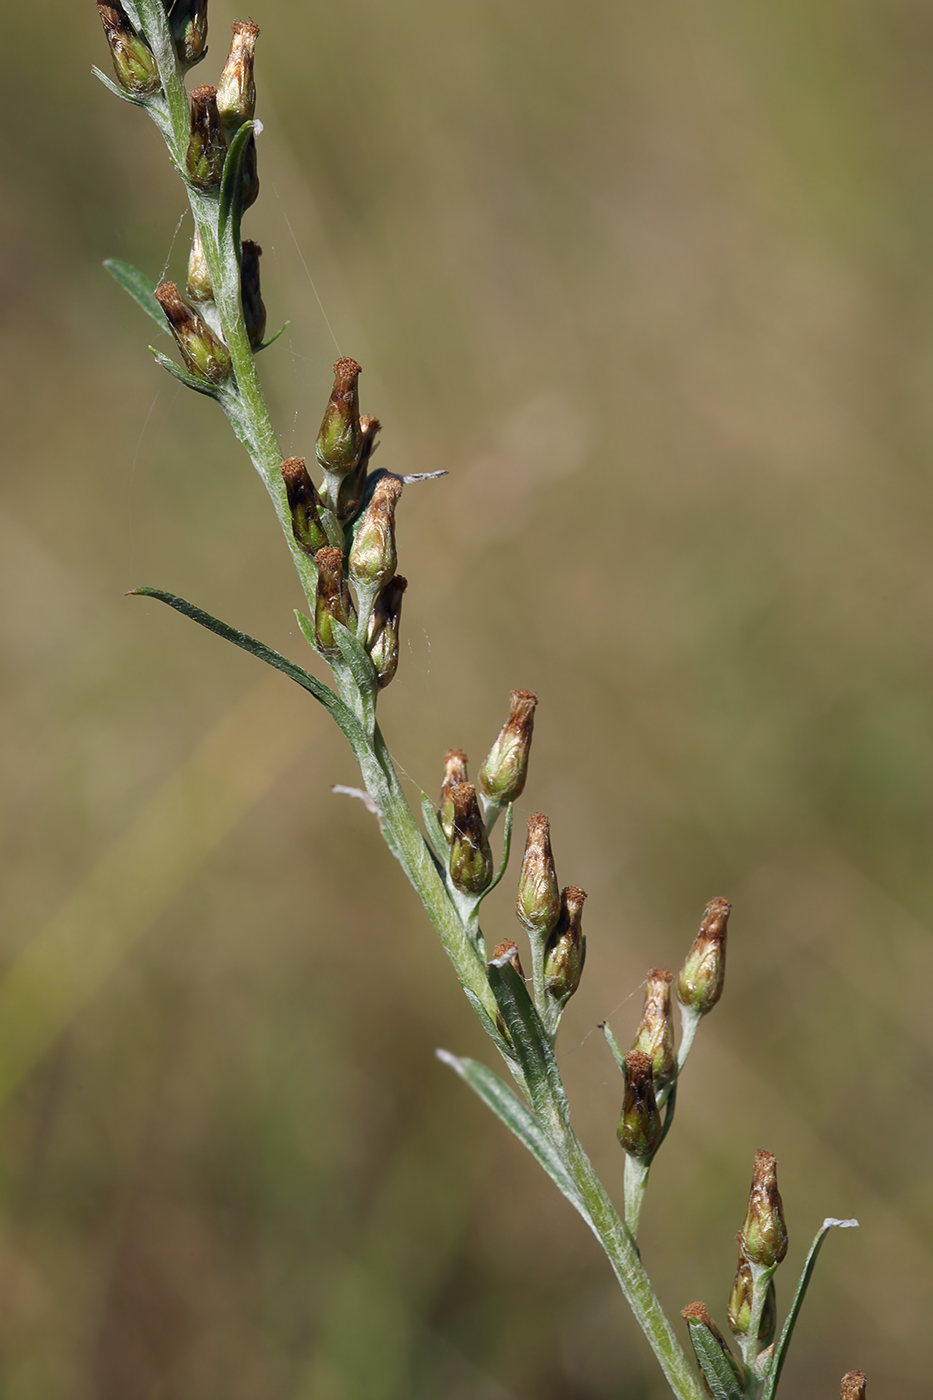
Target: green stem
627,1266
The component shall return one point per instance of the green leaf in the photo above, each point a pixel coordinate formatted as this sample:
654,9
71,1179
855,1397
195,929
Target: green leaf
531,1042
495,1035
506,847
780,1354
117,91
331,702
362,672
230,185
519,1120
718,1365
272,338
433,828
190,381
140,287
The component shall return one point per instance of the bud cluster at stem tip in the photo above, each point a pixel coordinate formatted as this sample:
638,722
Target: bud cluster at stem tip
763,1237
501,779
700,983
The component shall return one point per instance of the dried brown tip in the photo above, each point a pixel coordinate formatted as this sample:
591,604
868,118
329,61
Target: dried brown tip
853,1386
696,1312
295,475
346,373
715,918
507,951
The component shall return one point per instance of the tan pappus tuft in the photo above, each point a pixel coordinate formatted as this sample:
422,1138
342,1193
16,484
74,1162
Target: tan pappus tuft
204,354
853,1386
502,777
507,951
763,1237
700,983
236,91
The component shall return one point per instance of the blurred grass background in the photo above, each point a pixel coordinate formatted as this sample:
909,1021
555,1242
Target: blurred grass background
655,285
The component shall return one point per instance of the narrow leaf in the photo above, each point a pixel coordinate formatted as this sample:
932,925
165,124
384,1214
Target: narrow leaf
140,287
519,1120
780,1354
331,702
230,183
531,1042
432,826
716,1365
506,847
495,1035
117,91
272,338
200,386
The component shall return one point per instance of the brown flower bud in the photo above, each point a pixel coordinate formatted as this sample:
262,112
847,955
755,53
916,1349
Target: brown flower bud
699,985
538,904
763,1237
204,354
236,91
383,643
373,557
655,1034
502,777
565,952
198,286
134,64
353,487
853,1386
304,504
640,1122
740,1306
470,857
332,602
254,312
204,159
188,23
340,440
455,771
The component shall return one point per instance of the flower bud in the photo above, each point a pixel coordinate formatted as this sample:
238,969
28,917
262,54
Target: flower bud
470,857
697,1316
332,601
236,91
740,1307
640,1124
373,556
763,1237
204,354
188,23
853,1386
304,504
353,487
699,985
198,286
340,440
204,159
655,1034
538,904
565,952
254,313
134,64
455,771
383,644
502,777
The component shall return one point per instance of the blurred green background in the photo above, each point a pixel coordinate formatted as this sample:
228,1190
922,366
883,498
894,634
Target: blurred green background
655,285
